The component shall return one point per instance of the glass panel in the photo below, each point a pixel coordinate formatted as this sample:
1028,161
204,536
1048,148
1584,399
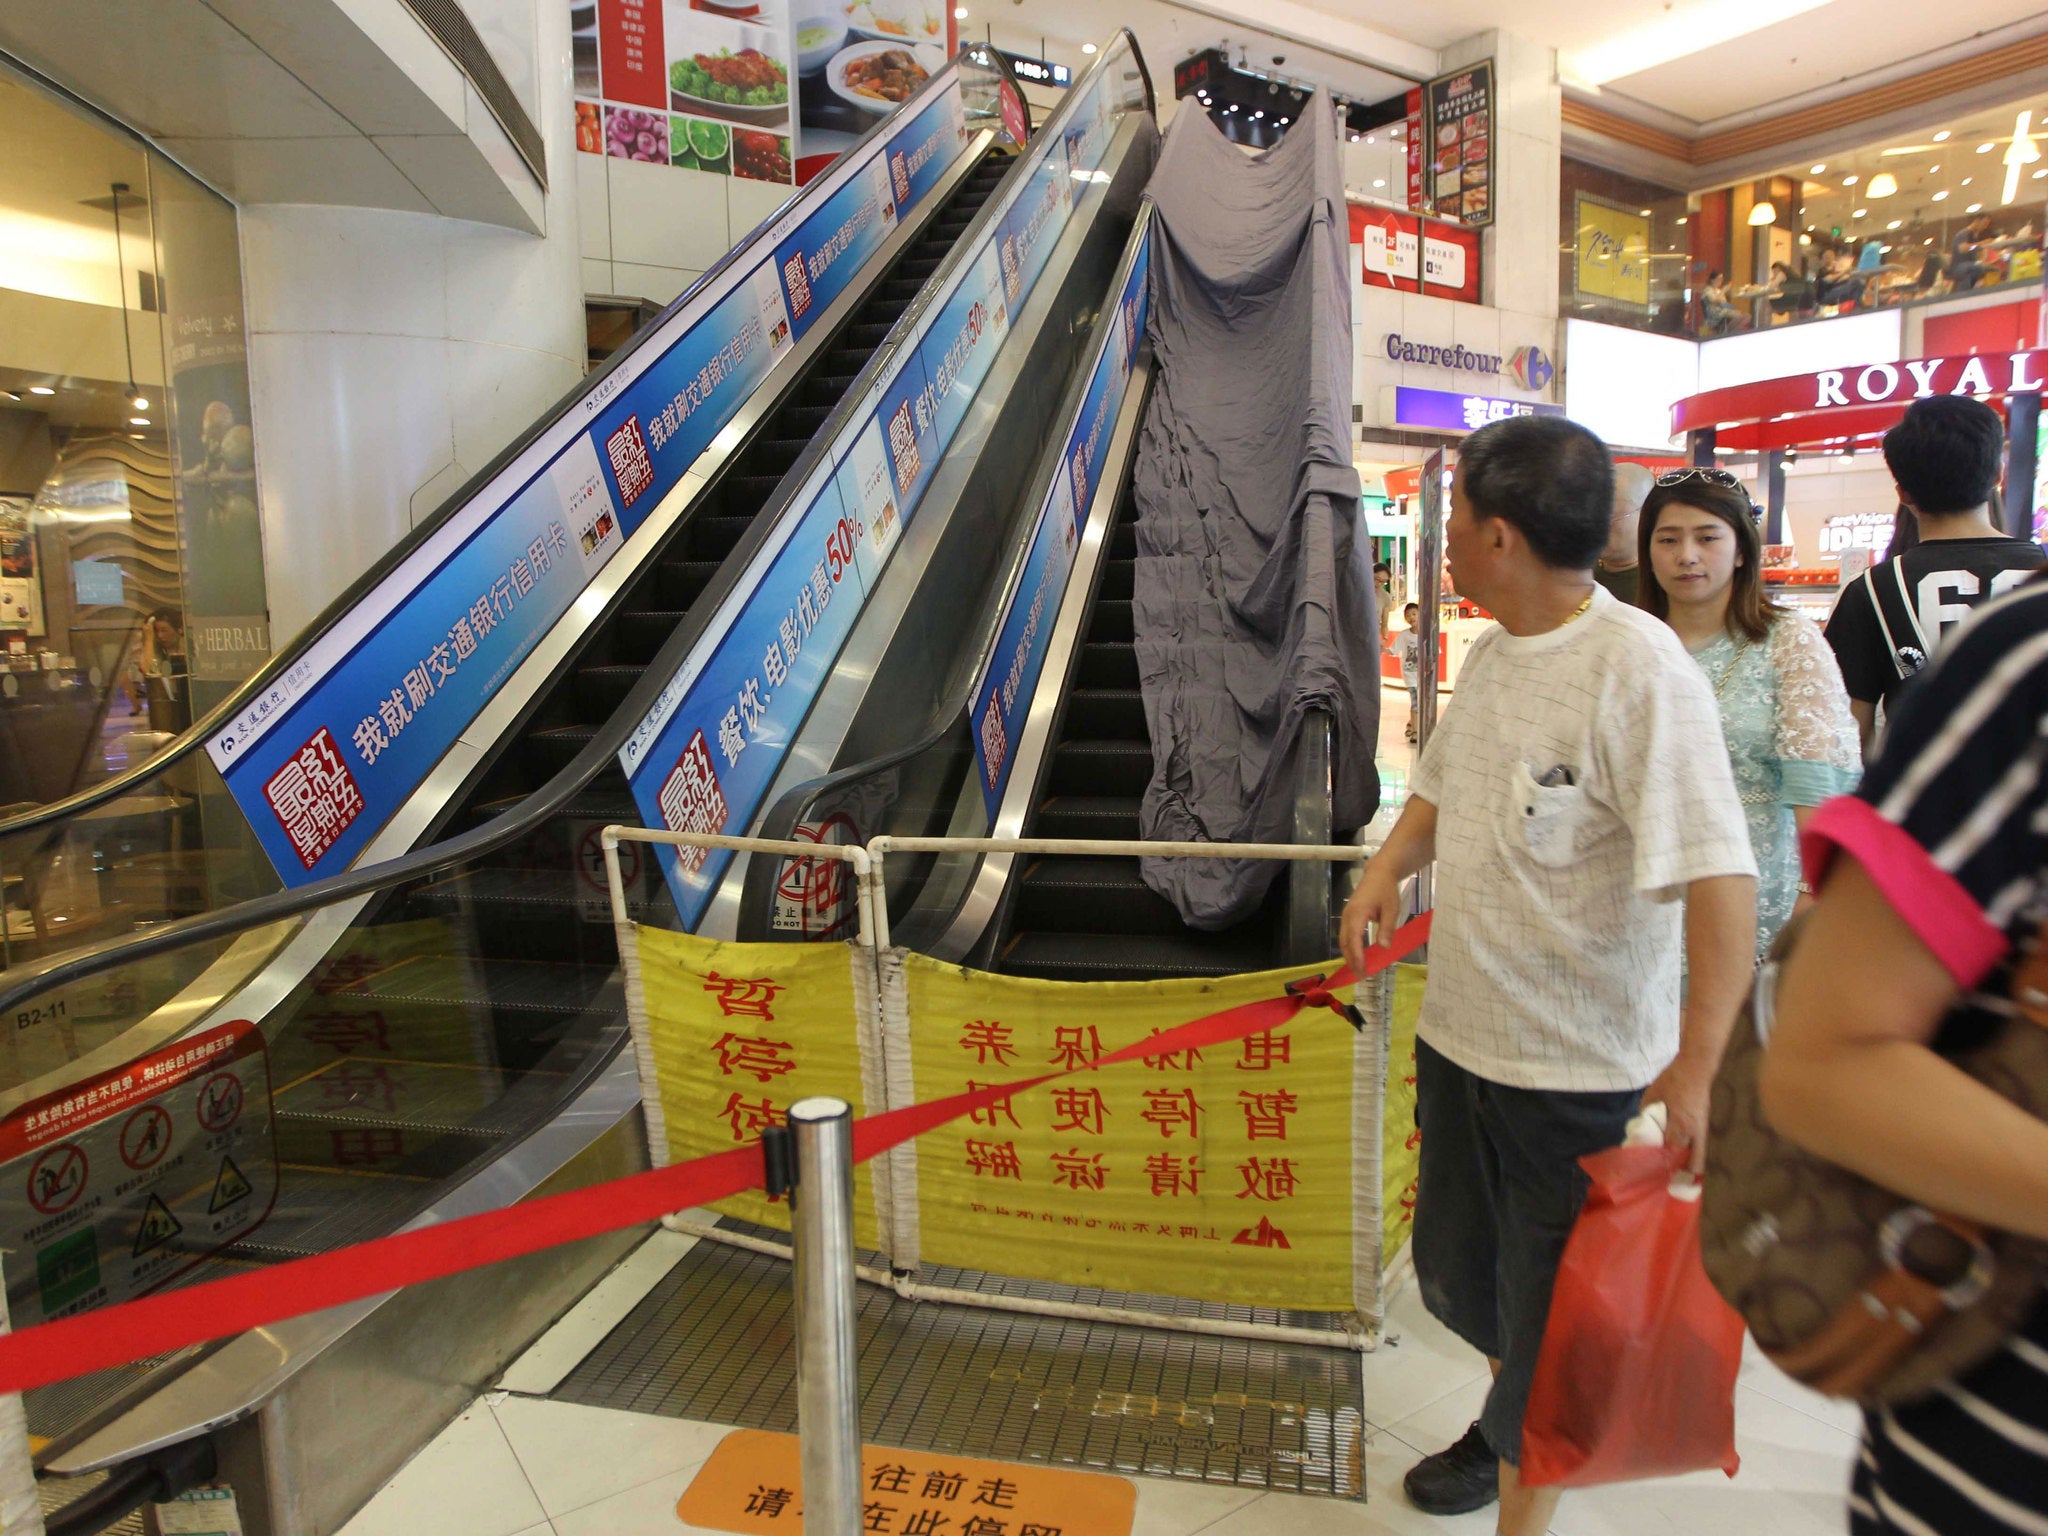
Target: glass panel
131,556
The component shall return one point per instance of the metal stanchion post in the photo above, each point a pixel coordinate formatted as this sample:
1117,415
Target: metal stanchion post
21,1508
827,1372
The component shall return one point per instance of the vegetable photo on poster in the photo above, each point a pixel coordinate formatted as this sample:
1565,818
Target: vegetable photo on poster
857,61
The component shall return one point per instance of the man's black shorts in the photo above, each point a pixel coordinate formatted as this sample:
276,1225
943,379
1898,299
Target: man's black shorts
1500,1186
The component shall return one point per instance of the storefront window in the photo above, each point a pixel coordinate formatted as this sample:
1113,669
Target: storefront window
1623,250
131,553
131,584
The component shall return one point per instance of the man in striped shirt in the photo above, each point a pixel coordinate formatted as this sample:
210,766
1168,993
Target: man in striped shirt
1933,896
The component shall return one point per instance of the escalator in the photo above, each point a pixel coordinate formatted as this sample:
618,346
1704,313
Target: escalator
443,1023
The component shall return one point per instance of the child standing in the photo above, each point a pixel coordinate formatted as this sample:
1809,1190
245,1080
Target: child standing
1406,649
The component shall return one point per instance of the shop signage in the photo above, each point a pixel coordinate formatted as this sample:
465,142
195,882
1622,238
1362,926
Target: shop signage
1439,410
1416,255
1457,121
1460,359
1038,71
1613,253
704,756
1981,375
1856,530
1416,138
325,755
1010,681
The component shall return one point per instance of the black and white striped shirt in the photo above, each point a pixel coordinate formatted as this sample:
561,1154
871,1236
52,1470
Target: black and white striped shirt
1951,823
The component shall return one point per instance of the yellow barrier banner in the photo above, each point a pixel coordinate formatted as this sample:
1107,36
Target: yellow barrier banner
738,1033
1401,1149
1226,1175
1614,252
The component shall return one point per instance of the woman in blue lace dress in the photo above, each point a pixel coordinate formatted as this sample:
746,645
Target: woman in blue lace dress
1784,710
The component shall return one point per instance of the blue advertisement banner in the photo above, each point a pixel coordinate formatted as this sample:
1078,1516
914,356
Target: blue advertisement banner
727,694
331,750
1004,693
1022,240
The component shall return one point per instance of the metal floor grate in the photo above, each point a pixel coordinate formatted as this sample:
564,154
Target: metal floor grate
713,1342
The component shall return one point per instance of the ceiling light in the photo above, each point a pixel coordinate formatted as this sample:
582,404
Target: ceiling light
1683,220
2039,174
1765,212
1087,47
140,402
41,389
1818,170
1859,213
1848,181
959,13
1934,170
1381,182
138,421
1370,139
1895,223
1974,208
1646,213
1941,137
1986,147
2021,152
1939,196
1805,239
1883,184
1674,35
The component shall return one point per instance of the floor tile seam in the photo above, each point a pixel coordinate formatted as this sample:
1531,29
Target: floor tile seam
512,1449
690,1467
1421,1408
1854,1436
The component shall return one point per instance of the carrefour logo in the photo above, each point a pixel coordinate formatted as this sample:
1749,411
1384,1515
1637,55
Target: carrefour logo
1530,368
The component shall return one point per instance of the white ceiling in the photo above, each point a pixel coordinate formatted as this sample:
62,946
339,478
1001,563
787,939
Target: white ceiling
1696,63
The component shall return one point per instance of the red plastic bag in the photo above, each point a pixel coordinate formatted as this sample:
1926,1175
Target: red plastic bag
1637,1373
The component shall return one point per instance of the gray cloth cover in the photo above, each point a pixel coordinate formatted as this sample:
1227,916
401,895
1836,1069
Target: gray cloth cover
1254,597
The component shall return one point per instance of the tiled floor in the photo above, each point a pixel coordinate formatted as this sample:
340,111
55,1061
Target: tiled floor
518,1464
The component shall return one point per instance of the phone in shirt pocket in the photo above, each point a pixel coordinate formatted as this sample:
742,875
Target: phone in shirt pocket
1552,807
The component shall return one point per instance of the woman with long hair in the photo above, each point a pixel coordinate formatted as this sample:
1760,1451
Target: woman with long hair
1784,711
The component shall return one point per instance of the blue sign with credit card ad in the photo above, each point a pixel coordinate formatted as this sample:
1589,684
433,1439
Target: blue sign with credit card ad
1003,695
323,758
682,774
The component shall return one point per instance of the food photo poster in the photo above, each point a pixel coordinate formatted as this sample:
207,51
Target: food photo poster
768,90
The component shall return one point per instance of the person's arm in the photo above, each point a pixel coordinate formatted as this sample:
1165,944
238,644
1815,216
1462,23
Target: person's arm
1375,906
1865,714
1720,955
1850,1077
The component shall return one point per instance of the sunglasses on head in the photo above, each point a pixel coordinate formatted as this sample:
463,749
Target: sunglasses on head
1692,472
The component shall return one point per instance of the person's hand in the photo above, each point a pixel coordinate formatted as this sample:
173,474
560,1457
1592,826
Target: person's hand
1684,1091
1370,915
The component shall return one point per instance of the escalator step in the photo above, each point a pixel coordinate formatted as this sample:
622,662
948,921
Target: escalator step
1091,895
802,419
870,335
1101,768
1107,666
1094,816
750,490
1107,714
592,804
643,632
678,583
1111,621
716,536
1123,541
554,748
828,390
1128,957
1118,577
600,690
899,288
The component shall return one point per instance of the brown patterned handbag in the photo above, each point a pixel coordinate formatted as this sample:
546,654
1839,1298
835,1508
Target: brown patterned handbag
1849,1288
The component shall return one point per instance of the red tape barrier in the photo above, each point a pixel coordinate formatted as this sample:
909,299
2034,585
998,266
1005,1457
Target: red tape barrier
154,1325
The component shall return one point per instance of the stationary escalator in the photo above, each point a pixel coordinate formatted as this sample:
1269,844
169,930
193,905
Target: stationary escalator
442,1023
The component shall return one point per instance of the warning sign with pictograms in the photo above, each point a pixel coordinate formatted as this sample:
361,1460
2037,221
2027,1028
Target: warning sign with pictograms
752,1485
123,1181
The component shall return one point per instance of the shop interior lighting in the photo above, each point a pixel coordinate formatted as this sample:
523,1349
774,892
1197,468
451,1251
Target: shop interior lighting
1859,213
1849,181
1087,47
1940,196
1883,184
138,421
1818,170
1765,212
1895,223
1968,179
41,389
140,402
1380,183
959,13
2020,153
1974,208
1942,137
1986,147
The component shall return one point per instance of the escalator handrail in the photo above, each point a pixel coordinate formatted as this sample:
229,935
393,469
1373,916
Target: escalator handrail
529,814
795,803
200,731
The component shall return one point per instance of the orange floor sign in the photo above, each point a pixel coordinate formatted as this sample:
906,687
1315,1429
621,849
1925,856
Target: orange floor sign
753,1484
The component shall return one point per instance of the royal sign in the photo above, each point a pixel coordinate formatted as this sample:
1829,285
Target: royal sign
1862,396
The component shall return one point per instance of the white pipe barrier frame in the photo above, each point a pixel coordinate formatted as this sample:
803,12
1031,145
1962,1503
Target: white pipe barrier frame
1375,1001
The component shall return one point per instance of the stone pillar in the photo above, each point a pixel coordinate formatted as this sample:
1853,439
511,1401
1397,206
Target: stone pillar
392,355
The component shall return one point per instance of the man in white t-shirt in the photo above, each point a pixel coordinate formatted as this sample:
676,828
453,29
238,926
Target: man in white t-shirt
1579,809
